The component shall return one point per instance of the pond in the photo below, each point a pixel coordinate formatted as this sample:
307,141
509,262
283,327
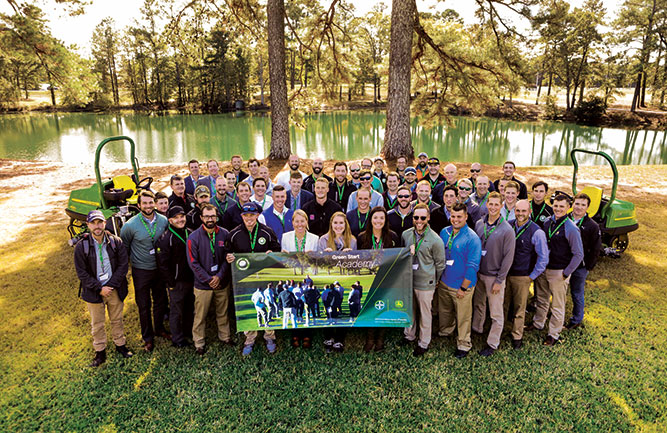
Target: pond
71,138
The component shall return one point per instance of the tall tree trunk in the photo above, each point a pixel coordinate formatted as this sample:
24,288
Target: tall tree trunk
397,139
635,97
642,101
53,91
551,79
581,90
261,79
280,140
292,70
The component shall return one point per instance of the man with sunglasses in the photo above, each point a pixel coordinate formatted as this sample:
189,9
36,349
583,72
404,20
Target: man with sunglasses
475,172
340,188
475,213
376,197
400,217
376,183
355,173
428,262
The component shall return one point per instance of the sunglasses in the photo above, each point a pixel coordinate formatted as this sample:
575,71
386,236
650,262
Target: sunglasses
475,170
403,196
365,178
465,188
419,218
354,170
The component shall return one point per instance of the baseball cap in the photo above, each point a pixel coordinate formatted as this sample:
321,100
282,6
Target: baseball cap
175,210
95,215
422,154
202,190
251,208
410,170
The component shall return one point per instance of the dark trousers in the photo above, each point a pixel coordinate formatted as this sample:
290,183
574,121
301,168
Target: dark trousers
181,314
147,284
355,309
314,308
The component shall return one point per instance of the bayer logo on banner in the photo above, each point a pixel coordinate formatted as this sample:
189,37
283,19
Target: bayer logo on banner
379,305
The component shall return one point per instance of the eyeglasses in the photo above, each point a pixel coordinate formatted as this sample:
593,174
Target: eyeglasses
208,217
475,170
403,196
365,178
465,188
419,218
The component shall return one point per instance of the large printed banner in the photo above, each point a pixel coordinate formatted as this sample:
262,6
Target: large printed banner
366,288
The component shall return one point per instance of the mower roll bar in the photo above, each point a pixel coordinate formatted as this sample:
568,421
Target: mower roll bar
98,176
613,169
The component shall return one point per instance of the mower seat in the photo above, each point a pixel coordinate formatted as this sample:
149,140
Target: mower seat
595,194
124,182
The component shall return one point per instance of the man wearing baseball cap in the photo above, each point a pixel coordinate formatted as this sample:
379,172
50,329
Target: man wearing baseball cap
202,197
101,263
253,237
410,179
172,261
422,166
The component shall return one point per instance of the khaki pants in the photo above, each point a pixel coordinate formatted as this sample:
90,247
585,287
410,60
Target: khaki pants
455,312
516,293
421,306
203,299
540,285
115,308
482,295
557,290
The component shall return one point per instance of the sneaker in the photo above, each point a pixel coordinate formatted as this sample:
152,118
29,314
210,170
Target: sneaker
271,346
338,347
124,351
550,341
517,344
419,351
460,354
100,358
487,351
247,349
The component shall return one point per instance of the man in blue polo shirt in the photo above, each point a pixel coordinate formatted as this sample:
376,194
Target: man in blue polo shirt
463,251
140,234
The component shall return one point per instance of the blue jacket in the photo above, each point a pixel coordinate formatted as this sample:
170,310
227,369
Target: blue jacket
531,253
140,245
203,262
304,197
566,251
190,185
279,227
462,259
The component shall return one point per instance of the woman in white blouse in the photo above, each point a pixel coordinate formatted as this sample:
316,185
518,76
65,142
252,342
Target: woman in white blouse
300,239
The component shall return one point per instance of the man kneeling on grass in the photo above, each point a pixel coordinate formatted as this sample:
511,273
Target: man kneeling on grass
100,259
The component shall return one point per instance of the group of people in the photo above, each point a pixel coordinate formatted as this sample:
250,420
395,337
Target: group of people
293,300
475,243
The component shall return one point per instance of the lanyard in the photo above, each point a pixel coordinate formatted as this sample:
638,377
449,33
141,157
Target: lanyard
217,203
419,244
423,170
551,233
150,233
303,243
486,236
341,190
179,236
294,200
434,183
378,245
359,223
450,241
211,240
99,247
539,213
391,203
281,218
581,221
484,199
253,238
523,229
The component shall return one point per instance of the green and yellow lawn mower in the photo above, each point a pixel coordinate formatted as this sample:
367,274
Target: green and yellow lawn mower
615,217
116,197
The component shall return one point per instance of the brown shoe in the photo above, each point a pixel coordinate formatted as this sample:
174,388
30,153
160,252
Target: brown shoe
164,334
572,325
149,346
550,341
368,347
306,343
296,342
531,327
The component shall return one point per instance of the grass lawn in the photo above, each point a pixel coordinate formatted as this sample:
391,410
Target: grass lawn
610,375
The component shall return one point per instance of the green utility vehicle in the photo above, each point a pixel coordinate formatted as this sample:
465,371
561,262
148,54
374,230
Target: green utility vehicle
116,197
615,217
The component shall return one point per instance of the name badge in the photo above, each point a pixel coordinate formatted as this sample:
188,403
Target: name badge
449,262
483,253
415,266
103,277
214,268
152,252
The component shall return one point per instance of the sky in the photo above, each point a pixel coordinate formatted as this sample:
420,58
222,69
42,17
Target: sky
78,30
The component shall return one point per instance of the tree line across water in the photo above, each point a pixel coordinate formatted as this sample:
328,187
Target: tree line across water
205,55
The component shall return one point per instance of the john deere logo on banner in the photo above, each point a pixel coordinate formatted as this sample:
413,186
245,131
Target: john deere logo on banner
315,290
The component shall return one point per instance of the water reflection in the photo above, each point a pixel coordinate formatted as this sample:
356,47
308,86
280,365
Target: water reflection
72,138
